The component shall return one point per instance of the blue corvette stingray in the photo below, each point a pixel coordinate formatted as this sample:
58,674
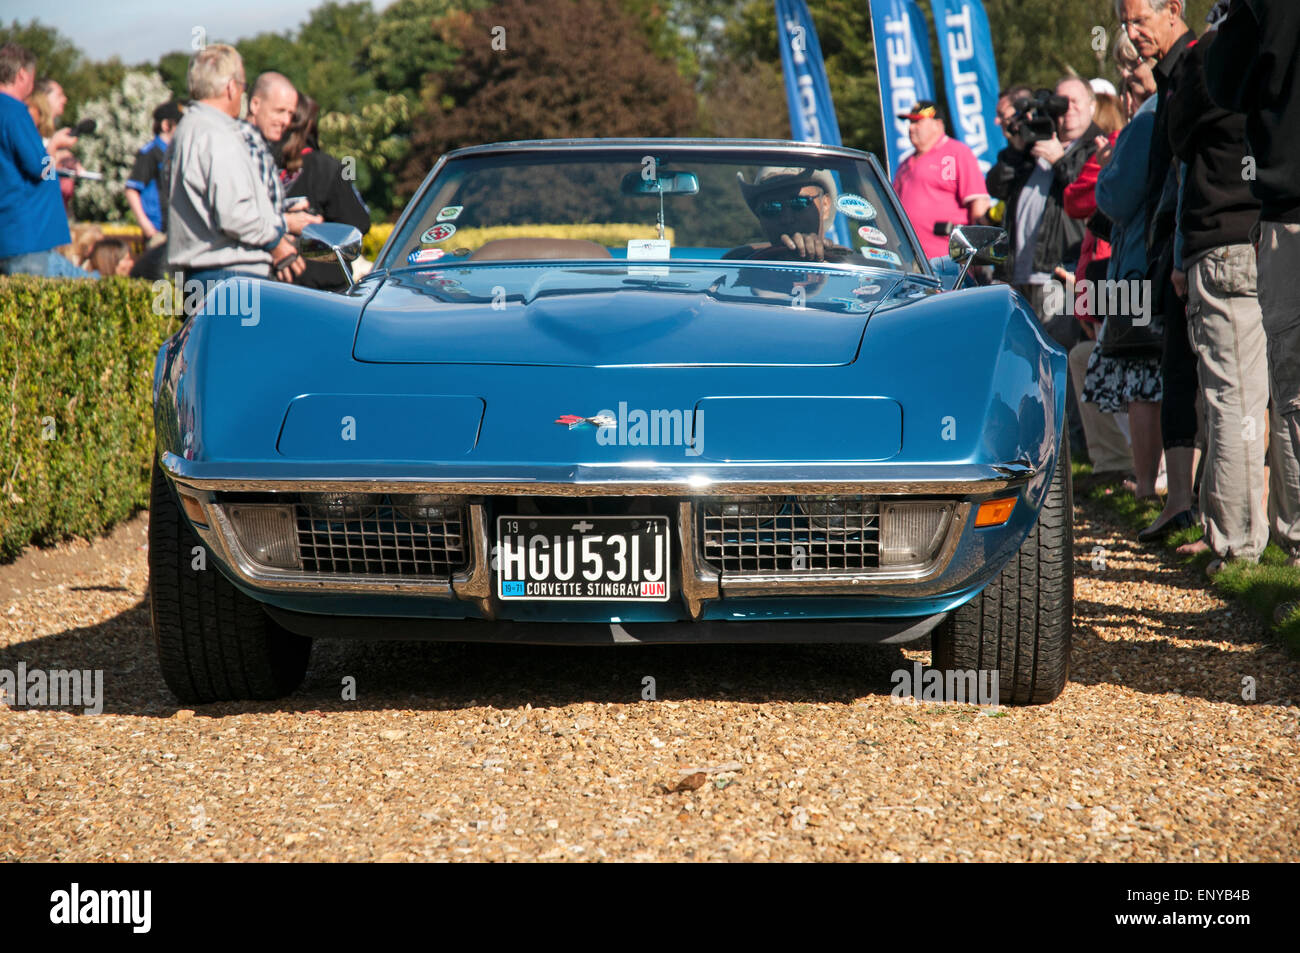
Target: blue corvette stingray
613,391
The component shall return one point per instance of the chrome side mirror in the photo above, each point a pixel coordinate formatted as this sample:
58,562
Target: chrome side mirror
977,245
326,240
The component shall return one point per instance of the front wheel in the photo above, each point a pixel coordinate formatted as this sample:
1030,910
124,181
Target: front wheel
214,642
1020,625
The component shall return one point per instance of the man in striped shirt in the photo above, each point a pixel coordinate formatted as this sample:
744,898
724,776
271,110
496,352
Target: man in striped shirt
270,108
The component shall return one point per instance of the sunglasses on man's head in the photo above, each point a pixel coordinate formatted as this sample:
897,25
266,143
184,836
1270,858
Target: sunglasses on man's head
796,204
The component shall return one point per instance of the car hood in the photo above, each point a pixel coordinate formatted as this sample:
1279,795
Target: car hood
609,315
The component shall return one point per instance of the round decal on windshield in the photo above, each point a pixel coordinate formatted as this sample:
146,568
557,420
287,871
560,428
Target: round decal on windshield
439,233
869,233
855,206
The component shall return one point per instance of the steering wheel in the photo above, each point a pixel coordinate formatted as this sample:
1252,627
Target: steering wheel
834,254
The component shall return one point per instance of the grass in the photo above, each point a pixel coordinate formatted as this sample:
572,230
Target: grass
1261,588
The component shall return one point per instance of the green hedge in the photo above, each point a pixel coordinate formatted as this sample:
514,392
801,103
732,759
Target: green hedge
76,426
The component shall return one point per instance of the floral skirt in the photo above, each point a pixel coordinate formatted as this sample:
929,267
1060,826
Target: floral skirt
1112,382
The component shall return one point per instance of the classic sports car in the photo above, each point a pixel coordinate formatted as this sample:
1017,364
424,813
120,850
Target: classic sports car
618,391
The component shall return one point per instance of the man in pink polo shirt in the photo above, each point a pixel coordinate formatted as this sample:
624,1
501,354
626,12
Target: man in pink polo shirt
940,184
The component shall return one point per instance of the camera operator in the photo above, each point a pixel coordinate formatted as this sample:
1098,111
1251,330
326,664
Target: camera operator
1055,134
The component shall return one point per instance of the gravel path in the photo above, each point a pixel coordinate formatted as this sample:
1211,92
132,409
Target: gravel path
788,753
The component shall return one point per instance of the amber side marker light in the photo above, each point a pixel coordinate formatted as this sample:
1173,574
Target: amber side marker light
995,512
193,509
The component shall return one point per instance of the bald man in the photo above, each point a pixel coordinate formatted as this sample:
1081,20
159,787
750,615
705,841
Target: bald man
270,107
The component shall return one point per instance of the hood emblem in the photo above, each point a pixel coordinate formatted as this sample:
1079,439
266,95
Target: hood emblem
573,421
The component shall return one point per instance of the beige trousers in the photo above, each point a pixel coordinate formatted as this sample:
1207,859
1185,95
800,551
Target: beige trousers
1108,446
1279,300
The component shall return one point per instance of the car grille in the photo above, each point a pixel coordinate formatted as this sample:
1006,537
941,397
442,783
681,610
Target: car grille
791,535
386,539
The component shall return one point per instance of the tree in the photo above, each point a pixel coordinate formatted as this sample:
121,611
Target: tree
58,58
124,121
548,69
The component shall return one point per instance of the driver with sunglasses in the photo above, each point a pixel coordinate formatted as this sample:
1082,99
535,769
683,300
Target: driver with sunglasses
795,208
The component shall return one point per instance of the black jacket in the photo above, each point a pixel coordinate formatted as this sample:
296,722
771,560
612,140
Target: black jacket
1162,221
321,179
1218,207
1251,69
1060,237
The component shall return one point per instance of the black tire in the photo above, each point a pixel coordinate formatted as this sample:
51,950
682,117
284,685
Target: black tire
214,642
1020,625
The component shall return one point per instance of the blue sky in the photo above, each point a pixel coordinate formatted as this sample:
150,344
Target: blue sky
139,30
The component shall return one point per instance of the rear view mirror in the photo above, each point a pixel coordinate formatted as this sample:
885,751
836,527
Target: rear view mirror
669,183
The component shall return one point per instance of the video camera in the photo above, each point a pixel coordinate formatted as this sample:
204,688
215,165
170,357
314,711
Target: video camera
1036,116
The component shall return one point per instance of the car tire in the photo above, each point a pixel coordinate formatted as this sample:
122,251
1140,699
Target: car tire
1021,624
214,643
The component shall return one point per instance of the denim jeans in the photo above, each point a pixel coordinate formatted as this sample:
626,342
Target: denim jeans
45,264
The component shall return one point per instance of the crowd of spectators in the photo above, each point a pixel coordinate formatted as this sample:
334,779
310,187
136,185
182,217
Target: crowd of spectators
1177,194
214,195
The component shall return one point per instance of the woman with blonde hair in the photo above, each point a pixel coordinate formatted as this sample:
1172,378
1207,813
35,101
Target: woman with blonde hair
38,104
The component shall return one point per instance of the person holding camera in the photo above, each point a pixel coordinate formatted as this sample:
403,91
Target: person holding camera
1055,134
940,184
1056,137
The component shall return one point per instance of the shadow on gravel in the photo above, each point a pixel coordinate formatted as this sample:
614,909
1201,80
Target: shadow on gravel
440,675
448,676
1173,658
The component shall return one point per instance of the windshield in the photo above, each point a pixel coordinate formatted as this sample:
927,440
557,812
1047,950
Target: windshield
648,203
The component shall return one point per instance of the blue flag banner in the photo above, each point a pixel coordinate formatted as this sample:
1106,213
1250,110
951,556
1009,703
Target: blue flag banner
902,45
812,114
970,76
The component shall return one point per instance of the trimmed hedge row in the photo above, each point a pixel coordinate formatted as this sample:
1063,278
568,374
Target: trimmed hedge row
76,425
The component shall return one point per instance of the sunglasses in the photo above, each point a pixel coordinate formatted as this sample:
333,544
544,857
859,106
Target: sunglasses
797,204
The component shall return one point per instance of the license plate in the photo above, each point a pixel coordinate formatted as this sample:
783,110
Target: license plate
583,558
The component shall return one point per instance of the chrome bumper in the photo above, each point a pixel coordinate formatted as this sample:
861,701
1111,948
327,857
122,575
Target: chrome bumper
700,583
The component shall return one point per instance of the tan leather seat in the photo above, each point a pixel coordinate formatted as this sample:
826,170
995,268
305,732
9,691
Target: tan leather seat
507,249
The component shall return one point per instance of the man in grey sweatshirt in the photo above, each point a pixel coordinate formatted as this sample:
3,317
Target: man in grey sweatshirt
221,220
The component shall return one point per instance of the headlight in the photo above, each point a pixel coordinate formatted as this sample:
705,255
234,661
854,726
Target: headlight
340,506
425,507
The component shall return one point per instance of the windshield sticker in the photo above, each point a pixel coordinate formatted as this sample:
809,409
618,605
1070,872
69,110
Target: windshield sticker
439,233
880,254
869,233
855,206
422,256
648,249
450,213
